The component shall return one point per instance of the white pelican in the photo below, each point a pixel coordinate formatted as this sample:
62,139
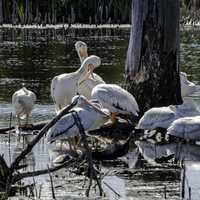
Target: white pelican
157,117
187,128
115,99
81,49
163,116
85,86
187,87
23,102
65,86
90,115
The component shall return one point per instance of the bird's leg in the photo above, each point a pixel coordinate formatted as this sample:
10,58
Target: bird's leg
70,142
27,125
114,118
88,74
18,121
27,116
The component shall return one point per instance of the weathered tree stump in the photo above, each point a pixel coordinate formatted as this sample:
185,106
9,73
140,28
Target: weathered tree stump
152,69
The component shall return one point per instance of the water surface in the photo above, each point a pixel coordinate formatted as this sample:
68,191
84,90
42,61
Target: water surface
33,57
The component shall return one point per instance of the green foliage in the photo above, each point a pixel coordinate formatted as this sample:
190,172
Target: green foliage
84,11
20,11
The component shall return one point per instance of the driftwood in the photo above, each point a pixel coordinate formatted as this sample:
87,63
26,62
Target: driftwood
8,176
36,126
8,173
116,131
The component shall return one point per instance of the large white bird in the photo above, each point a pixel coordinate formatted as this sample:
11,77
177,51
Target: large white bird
163,116
187,128
85,86
90,115
81,49
23,102
187,87
115,99
65,86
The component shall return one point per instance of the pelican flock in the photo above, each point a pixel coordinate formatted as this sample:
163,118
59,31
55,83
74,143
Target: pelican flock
65,86
91,117
97,103
23,102
162,117
111,97
82,81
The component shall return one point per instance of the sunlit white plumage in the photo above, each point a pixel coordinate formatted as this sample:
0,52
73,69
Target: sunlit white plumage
163,116
90,115
186,127
157,117
115,99
85,87
65,86
23,102
187,87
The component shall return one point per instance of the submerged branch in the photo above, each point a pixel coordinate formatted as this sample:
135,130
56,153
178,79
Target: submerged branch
21,176
38,137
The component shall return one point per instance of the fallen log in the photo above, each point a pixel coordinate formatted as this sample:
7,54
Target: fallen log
5,130
9,176
32,127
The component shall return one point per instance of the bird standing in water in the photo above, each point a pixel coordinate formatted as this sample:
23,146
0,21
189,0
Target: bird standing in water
65,86
23,102
91,117
116,100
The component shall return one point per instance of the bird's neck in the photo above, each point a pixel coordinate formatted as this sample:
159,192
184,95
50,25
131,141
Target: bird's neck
82,71
25,90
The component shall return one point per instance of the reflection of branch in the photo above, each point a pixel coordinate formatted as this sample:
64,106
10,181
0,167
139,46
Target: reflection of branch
38,137
20,176
91,169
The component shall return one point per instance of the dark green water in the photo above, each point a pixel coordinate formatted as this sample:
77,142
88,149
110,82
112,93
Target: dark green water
34,57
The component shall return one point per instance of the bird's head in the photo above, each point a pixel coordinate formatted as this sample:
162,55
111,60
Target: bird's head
79,100
82,101
89,64
81,48
93,62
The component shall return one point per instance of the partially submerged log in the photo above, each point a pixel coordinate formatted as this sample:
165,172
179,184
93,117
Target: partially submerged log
36,126
8,173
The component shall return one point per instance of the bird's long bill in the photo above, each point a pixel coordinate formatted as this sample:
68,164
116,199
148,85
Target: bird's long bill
83,53
97,109
90,72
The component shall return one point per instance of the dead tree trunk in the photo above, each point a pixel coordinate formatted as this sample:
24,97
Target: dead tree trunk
14,8
1,12
152,68
196,4
27,12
